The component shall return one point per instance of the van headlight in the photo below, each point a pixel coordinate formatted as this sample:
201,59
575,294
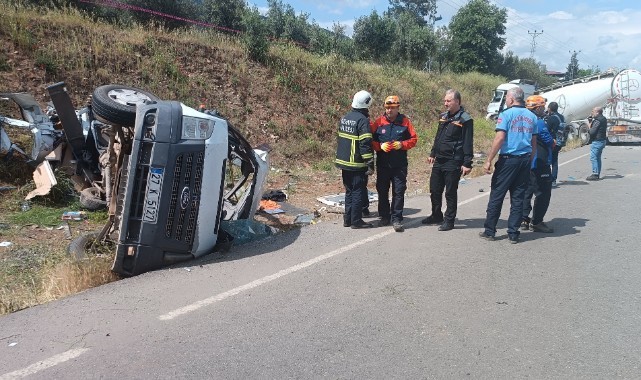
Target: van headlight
195,128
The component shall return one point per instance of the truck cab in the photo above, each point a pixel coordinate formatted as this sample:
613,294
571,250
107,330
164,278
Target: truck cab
498,100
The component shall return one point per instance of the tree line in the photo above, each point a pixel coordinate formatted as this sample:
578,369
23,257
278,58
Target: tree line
404,35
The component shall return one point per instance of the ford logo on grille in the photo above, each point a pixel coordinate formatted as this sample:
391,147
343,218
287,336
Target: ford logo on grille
184,198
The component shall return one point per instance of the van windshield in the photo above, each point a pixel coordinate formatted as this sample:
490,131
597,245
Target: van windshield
498,96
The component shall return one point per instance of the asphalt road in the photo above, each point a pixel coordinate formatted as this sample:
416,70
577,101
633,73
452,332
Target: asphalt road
331,302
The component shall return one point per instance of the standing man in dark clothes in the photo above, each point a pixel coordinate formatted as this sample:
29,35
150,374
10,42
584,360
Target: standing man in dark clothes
554,120
393,135
355,158
451,155
598,136
540,186
514,142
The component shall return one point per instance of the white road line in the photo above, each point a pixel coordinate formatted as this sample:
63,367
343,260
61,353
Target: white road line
42,365
574,159
261,281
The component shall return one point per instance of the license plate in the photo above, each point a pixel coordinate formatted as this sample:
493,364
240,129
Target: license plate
152,199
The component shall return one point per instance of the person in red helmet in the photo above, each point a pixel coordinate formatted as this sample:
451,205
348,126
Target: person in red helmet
392,136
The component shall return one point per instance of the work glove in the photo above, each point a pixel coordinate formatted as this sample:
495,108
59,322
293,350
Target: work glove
386,147
370,167
397,145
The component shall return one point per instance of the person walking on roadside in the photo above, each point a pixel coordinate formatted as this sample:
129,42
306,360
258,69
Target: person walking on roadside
514,142
393,135
355,158
598,129
451,157
540,184
554,120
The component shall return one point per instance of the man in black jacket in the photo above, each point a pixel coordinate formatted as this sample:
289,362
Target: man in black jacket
598,129
451,155
355,158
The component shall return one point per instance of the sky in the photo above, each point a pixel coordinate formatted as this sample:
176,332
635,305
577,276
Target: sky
605,33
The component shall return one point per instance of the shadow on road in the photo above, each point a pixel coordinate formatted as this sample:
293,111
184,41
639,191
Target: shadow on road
561,226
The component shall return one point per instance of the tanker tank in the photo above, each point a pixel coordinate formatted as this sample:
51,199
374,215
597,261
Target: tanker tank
577,99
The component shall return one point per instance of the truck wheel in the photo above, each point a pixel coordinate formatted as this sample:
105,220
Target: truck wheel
584,134
81,245
90,198
116,104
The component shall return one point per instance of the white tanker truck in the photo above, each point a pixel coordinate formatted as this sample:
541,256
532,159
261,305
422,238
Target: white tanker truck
619,94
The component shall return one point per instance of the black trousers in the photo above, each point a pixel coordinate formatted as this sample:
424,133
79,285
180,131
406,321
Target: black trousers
355,183
540,187
397,177
445,176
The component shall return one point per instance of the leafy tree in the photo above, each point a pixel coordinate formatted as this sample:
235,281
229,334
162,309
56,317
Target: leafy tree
440,53
255,36
573,67
284,23
476,31
374,36
419,9
590,71
180,8
414,41
508,65
324,41
225,13
529,68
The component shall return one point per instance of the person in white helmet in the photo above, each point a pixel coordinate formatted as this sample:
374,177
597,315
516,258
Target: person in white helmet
355,158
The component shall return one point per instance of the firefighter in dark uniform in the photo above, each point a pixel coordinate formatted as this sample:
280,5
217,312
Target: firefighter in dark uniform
451,155
355,158
393,135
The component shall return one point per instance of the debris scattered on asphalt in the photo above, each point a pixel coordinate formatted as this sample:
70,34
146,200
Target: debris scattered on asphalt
338,200
305,219
270,207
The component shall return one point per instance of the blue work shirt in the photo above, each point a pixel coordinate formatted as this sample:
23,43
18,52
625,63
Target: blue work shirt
519,124
544,141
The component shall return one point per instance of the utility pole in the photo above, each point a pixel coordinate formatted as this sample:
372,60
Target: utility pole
534,35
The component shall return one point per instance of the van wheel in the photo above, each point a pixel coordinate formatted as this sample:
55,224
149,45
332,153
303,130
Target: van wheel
81,245
91,199
116,104
584,134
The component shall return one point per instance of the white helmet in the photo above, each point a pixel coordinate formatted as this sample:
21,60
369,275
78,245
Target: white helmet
362,99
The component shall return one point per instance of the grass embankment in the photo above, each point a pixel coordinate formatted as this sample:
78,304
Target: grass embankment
292,102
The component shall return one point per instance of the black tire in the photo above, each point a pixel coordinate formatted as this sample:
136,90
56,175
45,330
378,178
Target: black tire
584,134
116,104
81,245
90,198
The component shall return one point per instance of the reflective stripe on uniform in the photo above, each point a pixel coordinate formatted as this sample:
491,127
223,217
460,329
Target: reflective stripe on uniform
351,164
